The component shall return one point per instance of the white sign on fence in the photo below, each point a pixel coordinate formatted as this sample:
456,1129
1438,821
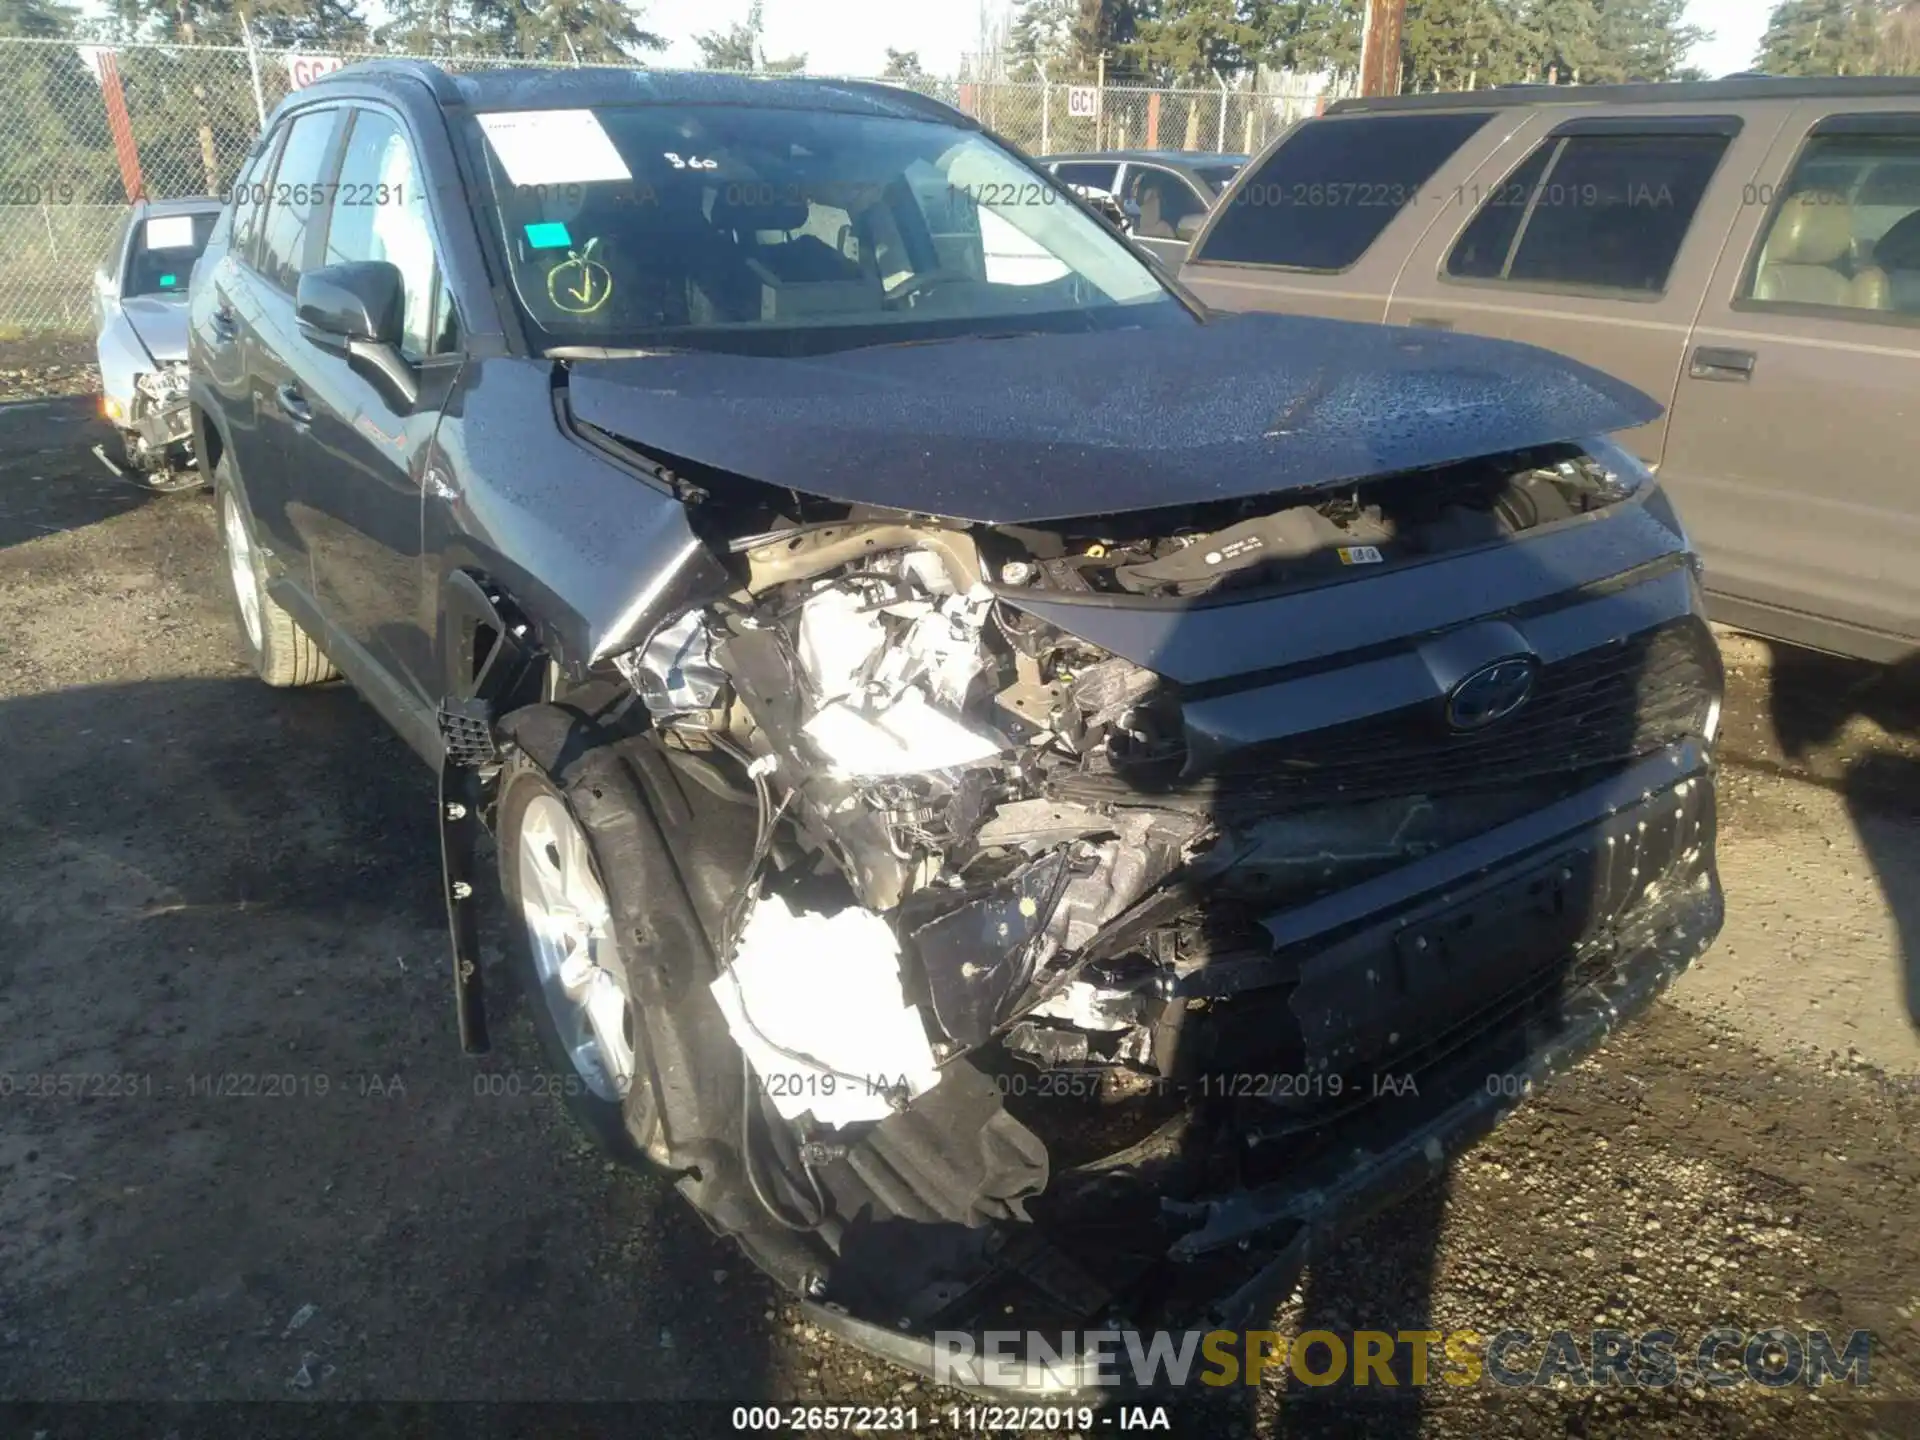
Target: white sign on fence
303,70
1083,102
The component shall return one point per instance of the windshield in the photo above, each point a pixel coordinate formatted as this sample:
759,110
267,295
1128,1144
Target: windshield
163,251
792,231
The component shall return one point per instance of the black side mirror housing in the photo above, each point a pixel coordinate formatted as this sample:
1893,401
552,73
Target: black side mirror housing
360,308
360,300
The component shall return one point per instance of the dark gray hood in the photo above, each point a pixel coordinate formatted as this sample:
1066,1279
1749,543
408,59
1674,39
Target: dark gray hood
1047,427
161,324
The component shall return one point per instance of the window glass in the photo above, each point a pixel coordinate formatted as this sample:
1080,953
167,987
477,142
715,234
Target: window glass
1332,187
1087,172
164,247
1612,210
446,323
1845,230
296,190
380,213
250,198
743,227
1219,176
1163,200
1482,252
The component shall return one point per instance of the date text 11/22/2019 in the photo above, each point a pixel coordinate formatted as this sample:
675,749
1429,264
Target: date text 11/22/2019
959,1419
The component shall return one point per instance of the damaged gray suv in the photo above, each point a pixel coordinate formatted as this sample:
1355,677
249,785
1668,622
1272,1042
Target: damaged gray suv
1038,805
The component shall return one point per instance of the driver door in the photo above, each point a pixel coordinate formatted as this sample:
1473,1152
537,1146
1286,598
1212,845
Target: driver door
362,456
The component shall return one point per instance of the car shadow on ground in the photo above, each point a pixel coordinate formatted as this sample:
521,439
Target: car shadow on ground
1813,699
223,902
50,480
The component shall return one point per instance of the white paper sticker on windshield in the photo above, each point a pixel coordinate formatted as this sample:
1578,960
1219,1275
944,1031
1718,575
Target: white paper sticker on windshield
553,147
170,232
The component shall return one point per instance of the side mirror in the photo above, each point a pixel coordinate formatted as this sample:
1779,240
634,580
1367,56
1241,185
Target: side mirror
360,308
361,300
1188,226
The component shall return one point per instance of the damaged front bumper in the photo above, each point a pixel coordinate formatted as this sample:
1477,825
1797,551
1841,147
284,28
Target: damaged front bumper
1582,913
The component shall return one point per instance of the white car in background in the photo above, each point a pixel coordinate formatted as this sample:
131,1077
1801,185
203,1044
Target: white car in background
140,327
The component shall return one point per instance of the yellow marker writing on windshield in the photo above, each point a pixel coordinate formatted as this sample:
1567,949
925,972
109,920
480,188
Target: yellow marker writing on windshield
580,284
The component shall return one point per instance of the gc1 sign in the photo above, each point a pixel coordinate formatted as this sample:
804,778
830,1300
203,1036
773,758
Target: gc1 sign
1083,102
303,70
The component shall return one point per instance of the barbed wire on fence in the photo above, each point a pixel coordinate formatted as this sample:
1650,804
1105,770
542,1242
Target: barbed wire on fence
193,111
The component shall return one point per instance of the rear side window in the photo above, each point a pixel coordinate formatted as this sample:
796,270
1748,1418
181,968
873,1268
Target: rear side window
1604,211
1332,187
250,198
296,193
1844,232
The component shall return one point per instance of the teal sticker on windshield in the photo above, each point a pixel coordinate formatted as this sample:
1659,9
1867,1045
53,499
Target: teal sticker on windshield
167,282
548,235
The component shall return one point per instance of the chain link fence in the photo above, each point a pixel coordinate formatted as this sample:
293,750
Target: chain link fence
85,126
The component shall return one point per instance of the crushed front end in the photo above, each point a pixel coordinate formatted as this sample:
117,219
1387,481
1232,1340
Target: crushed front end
1137,903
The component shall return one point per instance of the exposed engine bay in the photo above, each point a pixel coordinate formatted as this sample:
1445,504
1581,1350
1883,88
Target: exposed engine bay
978,832
1063,973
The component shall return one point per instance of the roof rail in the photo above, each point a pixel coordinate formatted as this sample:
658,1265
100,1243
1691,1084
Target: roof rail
1681,92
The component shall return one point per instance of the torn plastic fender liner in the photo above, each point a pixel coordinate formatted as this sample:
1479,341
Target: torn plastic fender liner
666,899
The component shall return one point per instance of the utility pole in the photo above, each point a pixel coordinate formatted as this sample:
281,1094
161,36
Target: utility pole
1380,47
1100,101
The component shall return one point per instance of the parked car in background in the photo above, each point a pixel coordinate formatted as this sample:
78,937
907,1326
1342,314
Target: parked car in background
1747,251
1021,795
1163,193
140,329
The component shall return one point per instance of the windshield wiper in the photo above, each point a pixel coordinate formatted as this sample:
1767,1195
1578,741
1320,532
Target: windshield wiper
608,352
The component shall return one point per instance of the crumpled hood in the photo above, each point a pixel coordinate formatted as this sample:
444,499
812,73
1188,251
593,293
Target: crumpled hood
1048,427
161,324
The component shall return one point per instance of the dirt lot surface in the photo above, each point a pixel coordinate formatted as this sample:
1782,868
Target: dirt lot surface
204,878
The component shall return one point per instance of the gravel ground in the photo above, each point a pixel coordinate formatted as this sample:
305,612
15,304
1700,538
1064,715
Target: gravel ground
204,877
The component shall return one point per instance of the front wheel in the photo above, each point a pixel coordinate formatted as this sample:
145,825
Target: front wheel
568,959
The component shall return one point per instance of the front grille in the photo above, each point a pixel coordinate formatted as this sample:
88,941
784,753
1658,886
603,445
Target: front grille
1593,712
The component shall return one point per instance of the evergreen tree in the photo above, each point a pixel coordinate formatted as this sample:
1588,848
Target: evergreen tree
1186,41
1043,32
1821,37
37,19
1564,38
739,47
587,30
1464,44
903,65
1642,40
1104,27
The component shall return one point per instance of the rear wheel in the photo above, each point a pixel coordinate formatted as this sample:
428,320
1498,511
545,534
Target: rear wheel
280,652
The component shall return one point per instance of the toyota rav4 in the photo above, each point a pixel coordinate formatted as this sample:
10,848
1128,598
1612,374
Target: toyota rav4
1034,803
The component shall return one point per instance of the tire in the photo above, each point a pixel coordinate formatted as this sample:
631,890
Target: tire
281,653
544,852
